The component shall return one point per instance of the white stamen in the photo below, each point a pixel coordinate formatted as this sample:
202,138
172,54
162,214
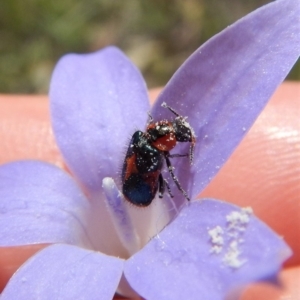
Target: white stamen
120,217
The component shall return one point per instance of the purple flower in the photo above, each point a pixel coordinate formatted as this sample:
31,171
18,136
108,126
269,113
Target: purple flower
173,249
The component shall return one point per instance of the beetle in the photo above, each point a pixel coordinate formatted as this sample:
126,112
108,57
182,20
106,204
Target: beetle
144,160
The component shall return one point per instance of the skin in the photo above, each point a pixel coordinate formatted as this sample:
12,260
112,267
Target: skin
263,173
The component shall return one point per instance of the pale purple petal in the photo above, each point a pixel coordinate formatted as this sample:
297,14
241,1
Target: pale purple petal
65,272
225,84
97,101
39,203
116,205
210,249
135,226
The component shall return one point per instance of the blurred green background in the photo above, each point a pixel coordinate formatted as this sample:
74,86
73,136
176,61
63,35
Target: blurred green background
158,35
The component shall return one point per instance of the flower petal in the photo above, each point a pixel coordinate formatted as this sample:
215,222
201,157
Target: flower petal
92,97
65,272
225,84
210,249
39,203
135,225
117,208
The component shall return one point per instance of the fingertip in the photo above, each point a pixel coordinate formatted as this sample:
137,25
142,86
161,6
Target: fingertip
290,288
11,258
25,130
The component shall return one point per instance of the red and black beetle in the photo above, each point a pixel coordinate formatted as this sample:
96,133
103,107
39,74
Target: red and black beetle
141,173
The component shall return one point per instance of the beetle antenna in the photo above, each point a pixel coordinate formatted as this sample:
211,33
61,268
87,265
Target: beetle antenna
164,104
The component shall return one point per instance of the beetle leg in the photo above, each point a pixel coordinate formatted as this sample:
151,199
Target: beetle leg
191,154
150,117
162,183
175,179
168,188
161,186
178,155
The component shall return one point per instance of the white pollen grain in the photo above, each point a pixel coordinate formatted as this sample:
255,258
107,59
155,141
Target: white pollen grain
216,238
227,241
